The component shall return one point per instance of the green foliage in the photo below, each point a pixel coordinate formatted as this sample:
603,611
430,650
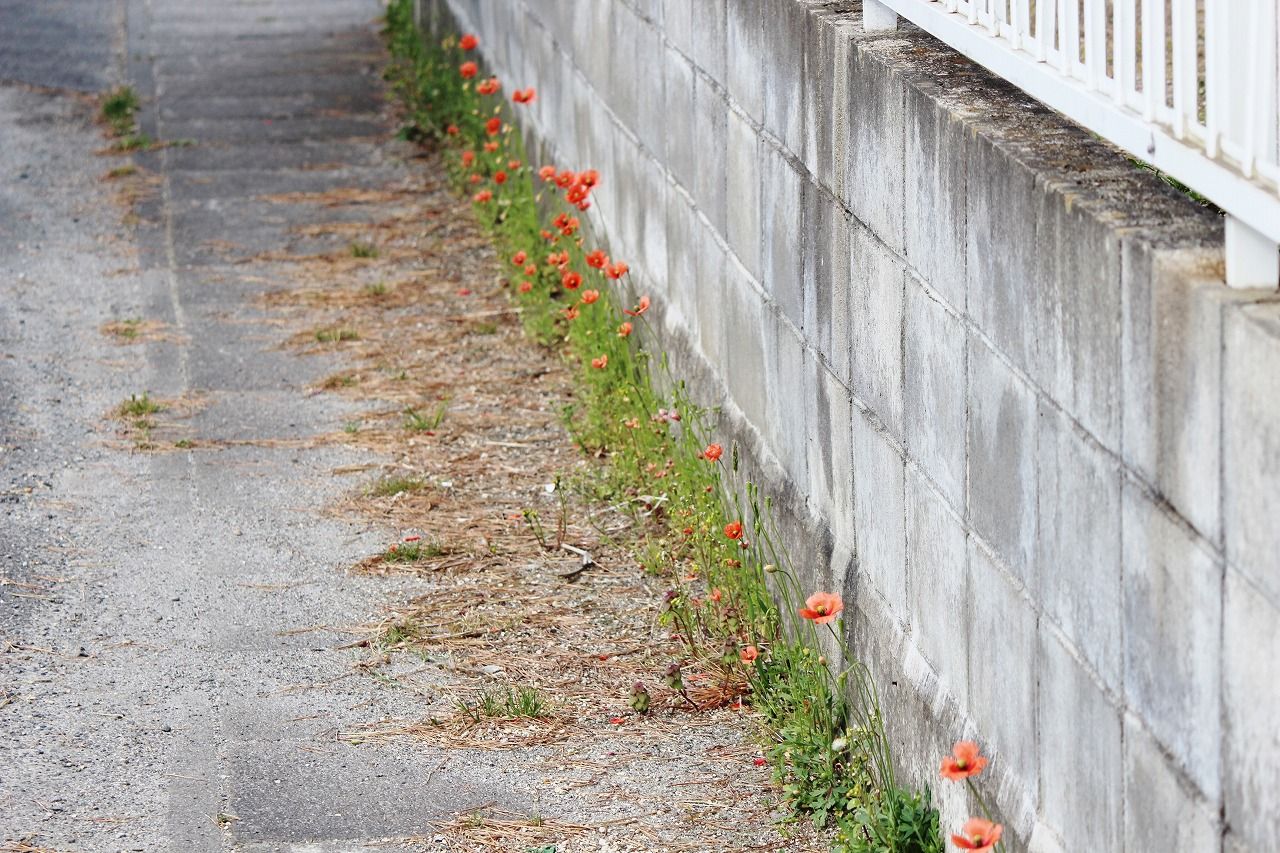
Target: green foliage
416,421
118,110
506,704
331,336
139,406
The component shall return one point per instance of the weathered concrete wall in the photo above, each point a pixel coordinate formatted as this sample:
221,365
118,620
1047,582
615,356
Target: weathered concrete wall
993,370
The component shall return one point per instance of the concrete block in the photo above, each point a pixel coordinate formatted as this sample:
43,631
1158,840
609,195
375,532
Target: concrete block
742,192
1003,666
785,365
1003,300
711,116
1085,803
677,24
829,438
1078,281
1251,694
781,210
744,57
745,331
827,319
1251,443
823,74
1172,351
1078,549
653,189
710,37
872,185
715,274
593,43
651,105
650,10
1172,645
624,82
784,31
879,501
1161,812
1001,439
938,585
876,284
679,131
934,220
683,247
630,204
935,396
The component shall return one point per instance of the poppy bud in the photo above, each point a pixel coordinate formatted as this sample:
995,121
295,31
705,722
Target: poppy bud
770,568
639,698
674,681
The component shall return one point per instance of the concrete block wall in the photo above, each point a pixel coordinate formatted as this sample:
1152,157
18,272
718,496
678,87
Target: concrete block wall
989,368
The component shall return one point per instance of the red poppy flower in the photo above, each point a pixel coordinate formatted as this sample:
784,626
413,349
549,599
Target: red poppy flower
600,363
749,654
488,87
571,280
576,194
452,130
524,96
531,270
500,178
589,178
565,179
546,235
822,607
964,761
513,164
598,259
469,42
468,157
547,173
584,205
571,313
412,538
468,70
978,834
483,195
713,452
624,330
561,220
519,258
641,307
526,286
493,126
733,530
618,270
475,179
491,147
590,296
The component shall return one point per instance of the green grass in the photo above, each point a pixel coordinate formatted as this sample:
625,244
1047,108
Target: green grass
139,406
507,704
331,336
416,421
378,288
364,250
412,552
119,109
134,142
391,486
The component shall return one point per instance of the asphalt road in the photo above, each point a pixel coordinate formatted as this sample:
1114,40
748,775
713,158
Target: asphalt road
145,684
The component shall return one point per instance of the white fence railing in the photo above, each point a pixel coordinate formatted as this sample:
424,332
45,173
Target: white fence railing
1190,86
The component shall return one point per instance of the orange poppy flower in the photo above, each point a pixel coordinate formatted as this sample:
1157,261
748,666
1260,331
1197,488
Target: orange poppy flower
624,330
600,363
749,654
641,307
576,194
488,87
468,70
733,530
547,173
475,179
963,762
571,280
500,178
468,157
531,270
565,179
589,178
469,42
493,126
452,130
526,286
524,96
716,595
546,235
571,313
483,195
713,452
491,147
618,270
584,205
519,258
598,259
590,296
513,164
822,607
978,834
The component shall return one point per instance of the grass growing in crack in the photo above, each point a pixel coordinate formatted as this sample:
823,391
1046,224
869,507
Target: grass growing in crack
184,444
412,552
506,704
333,336
416,421
391,486
122,171
363,250
139,406
119,110
134,142
127,330
377,289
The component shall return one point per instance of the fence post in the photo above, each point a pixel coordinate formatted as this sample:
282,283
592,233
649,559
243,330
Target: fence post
877,17
1253,260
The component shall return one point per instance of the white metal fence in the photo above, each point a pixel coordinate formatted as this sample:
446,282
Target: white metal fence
1190,86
